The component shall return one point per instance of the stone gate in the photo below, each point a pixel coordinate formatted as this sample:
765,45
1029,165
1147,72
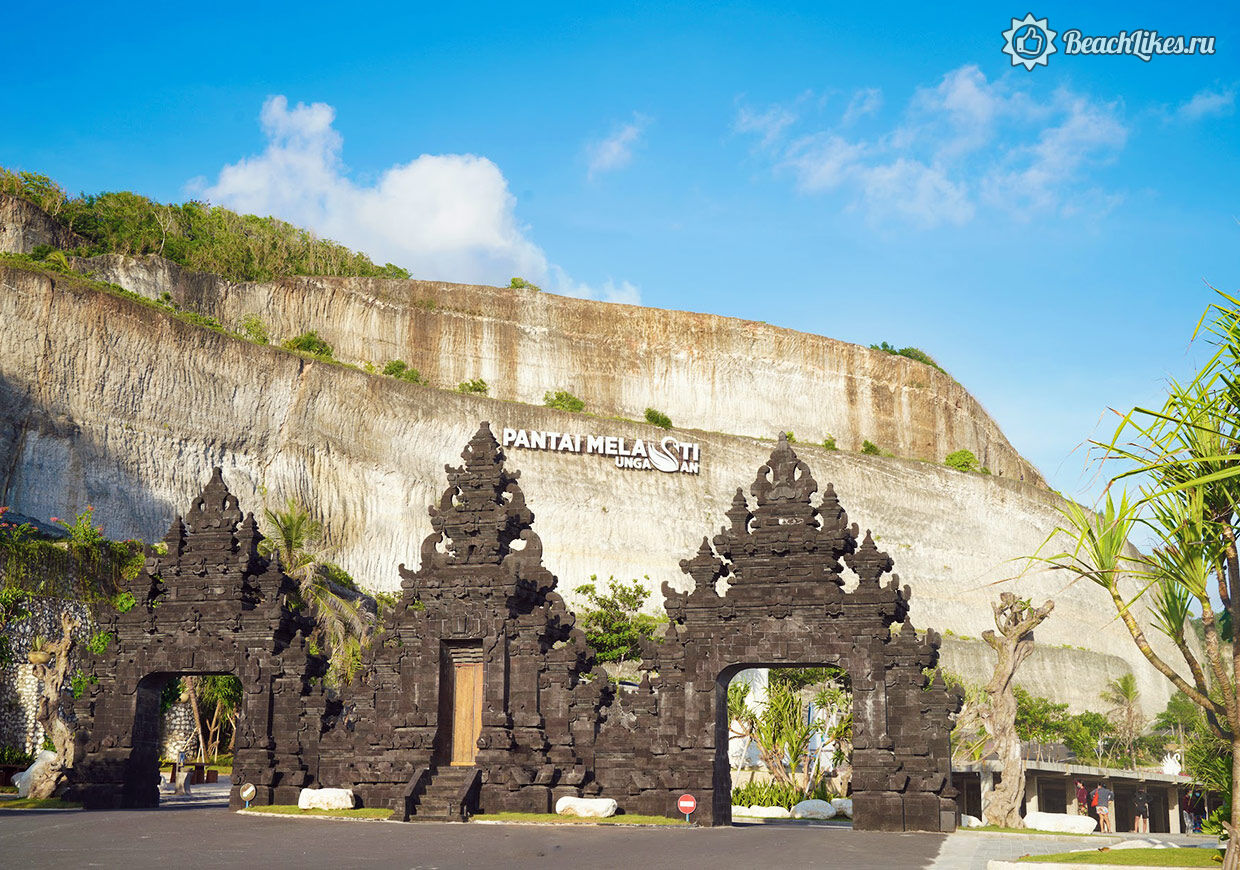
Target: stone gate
770,592
479,694
210,604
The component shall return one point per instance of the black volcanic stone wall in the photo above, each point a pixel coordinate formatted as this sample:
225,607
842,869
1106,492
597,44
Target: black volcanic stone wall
784,604
551,723
481,581
210,605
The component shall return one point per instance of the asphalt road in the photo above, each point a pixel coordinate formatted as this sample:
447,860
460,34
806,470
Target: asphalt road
173,838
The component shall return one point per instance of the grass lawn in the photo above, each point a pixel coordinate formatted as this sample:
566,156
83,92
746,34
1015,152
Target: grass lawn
556,819
995,829
292,810
36,804
1135,858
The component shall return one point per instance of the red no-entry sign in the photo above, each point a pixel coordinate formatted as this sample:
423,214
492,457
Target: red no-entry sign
686,803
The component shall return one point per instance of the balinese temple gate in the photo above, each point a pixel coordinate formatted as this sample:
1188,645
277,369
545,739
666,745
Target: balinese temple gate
479,694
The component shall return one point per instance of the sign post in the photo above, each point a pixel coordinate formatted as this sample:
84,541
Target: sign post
686,803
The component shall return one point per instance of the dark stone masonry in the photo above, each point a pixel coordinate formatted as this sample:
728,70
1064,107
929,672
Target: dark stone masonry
479,694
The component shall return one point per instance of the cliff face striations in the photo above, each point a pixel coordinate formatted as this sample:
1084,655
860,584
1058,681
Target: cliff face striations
708,372
111,402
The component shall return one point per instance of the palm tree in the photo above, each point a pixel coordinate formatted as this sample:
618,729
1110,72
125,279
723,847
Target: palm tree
292,535
1186,457
1125,700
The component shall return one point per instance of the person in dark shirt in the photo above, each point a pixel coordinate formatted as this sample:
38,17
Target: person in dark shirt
1082,799
1141,811
1102,798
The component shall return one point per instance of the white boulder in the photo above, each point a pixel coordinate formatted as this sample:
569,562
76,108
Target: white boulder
967,821
326,799
762,812
1142,843
1060,823
843,806
591,808
22,780
813,809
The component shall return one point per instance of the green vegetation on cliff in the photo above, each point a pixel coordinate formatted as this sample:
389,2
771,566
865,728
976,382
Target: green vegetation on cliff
193,234
913,353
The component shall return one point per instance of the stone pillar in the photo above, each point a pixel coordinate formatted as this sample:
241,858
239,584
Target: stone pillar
1175,819
1031,793
988,785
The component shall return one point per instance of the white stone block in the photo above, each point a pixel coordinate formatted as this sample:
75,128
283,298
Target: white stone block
1061,823
22,780
592,808
813,809
326,799
843,806
967,821
762,812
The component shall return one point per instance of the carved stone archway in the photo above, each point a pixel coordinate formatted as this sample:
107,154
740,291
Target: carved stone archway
210,604
783,602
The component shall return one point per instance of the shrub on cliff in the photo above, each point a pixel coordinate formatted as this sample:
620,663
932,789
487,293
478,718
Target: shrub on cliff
399,369
521,283
869,448
829,443
658,418
475,386
194,234
563,400
253,328
961,460
913,353
310,343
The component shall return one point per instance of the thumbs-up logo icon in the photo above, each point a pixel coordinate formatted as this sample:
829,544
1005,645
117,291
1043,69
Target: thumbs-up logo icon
1029,41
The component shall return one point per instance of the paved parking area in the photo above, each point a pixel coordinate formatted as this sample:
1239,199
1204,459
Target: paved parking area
185,836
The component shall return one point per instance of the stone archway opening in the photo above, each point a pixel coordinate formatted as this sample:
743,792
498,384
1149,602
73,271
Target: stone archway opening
767,713
155,763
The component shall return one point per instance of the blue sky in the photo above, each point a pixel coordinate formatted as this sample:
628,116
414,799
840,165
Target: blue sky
871,175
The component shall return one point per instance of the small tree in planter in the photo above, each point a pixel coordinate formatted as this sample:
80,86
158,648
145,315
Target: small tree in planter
50,713
1016,618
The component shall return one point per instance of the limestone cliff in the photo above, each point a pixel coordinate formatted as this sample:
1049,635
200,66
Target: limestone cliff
708,372
108,401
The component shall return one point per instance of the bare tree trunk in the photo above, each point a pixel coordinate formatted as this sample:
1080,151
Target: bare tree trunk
50,714
1015,619
1231,859
213,748
193,703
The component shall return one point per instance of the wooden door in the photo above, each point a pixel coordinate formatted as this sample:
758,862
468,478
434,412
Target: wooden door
466,707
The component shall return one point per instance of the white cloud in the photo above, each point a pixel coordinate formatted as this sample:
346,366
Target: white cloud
864,102
823,161
446,217
920,194
960,144
609,291
770,125
616,151
1033,179
1208,104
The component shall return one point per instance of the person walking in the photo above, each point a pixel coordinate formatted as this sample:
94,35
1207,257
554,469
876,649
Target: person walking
1141,811
1101,799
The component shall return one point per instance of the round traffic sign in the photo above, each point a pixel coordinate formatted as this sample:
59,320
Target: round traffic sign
686,803
248,791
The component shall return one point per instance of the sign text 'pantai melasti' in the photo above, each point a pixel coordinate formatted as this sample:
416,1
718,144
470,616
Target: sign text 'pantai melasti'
667,455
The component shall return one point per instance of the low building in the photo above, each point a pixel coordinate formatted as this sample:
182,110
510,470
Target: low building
1050,787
